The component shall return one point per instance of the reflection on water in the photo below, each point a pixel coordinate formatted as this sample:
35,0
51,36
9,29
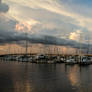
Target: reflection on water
80,77
73,75
26,77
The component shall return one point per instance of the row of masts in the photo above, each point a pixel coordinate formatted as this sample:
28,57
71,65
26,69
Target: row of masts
48,49
43,49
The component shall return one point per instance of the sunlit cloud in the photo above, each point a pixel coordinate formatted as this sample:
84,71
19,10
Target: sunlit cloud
23,27
75,35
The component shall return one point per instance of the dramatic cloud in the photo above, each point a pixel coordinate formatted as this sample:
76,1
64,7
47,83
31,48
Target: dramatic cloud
49,21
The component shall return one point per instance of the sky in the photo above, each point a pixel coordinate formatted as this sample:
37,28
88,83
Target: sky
69,20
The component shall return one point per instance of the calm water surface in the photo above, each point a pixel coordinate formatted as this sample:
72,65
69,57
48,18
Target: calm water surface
27,77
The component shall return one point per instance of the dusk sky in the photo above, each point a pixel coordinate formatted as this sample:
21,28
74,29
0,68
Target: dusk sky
65,19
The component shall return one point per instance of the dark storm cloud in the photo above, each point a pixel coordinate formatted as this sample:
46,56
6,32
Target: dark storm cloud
11,37
51,40
3,7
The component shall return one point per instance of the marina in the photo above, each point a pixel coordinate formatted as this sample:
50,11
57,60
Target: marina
49,59
45,45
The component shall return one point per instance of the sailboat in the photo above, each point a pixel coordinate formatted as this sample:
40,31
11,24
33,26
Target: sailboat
70,60
25,57
84,59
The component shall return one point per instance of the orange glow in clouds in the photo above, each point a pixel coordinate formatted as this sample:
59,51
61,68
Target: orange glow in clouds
23,27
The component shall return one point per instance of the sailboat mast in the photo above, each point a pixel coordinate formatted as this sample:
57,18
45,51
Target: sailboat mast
88,46
9,49
80,50
26,34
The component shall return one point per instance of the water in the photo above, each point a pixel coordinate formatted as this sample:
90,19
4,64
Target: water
27,77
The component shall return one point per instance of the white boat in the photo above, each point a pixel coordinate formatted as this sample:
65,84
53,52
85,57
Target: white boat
70,61
25,59
38,57
85,60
